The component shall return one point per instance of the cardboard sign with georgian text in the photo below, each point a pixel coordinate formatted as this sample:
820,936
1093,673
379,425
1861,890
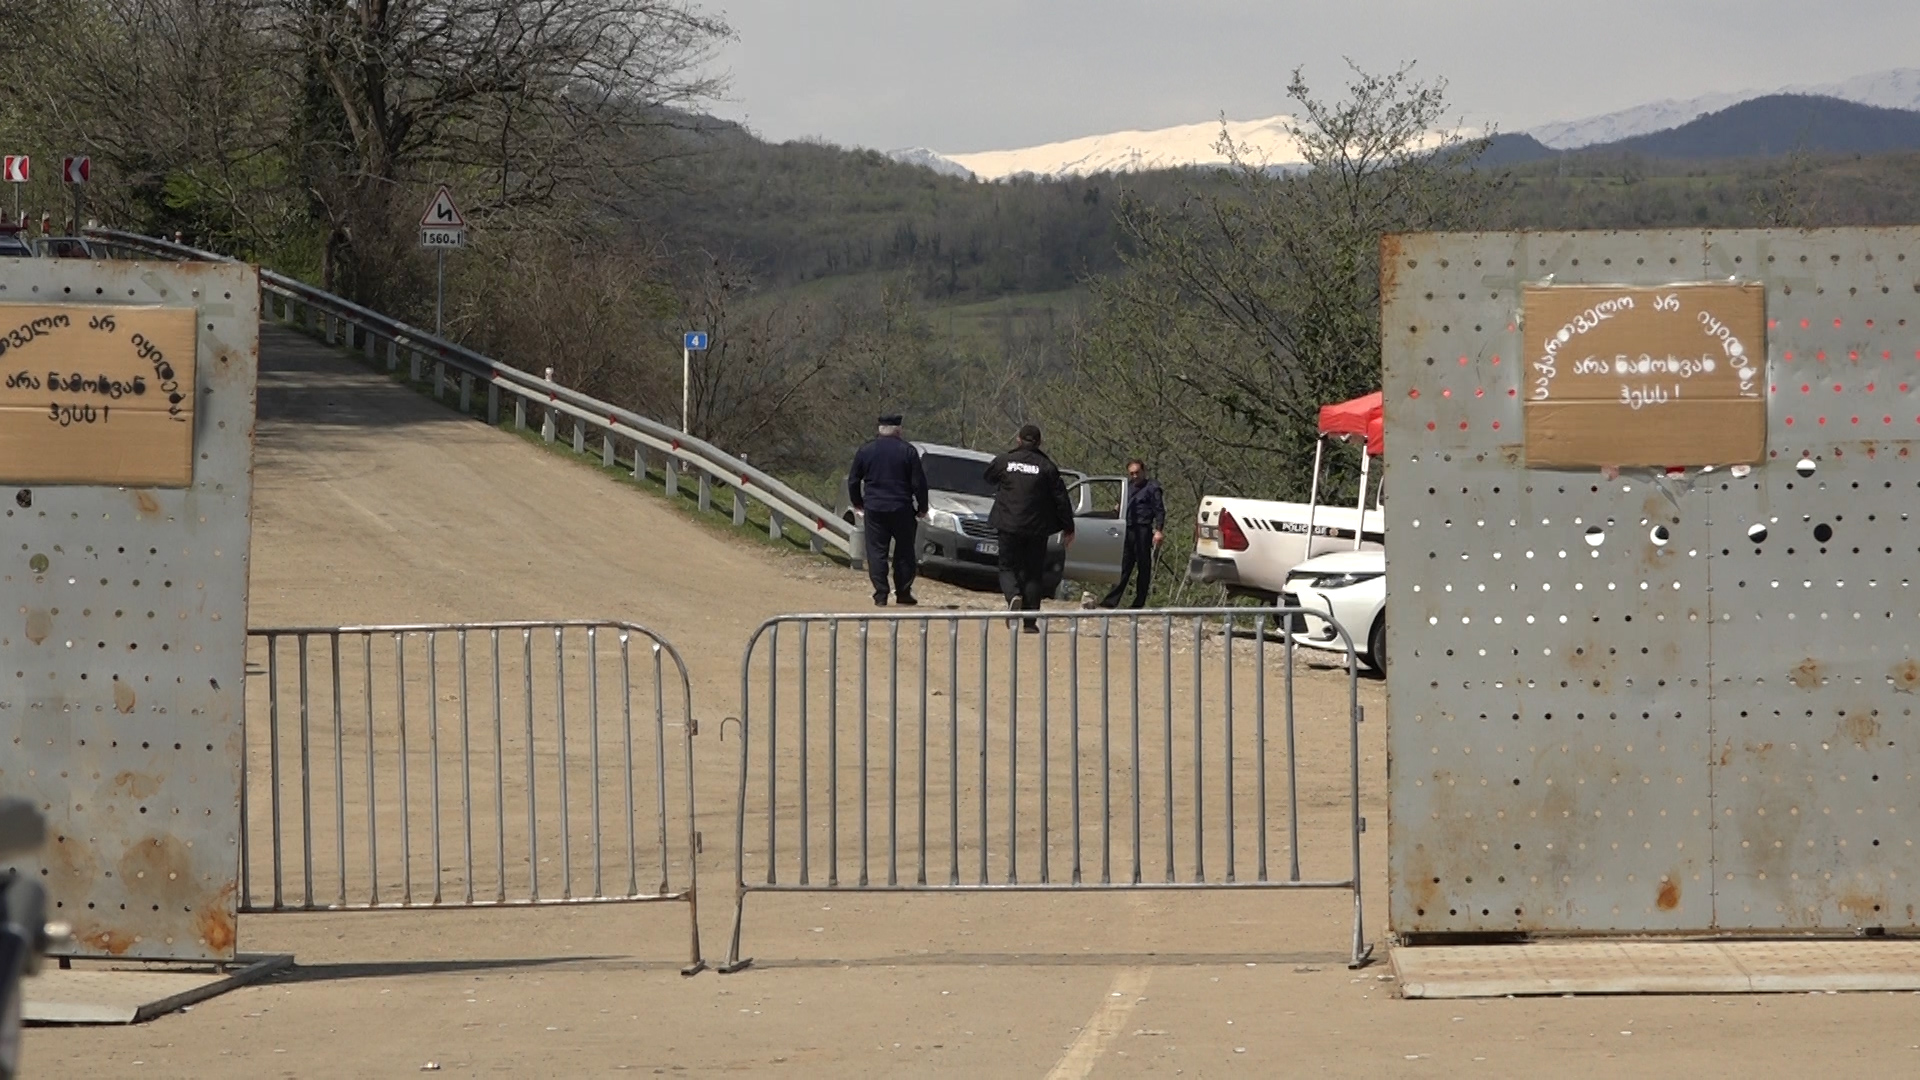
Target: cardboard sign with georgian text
96,395
1645,377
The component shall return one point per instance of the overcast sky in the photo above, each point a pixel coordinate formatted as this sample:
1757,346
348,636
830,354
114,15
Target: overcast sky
966,75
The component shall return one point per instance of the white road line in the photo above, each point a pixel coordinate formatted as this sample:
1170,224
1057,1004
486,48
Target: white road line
1103,1026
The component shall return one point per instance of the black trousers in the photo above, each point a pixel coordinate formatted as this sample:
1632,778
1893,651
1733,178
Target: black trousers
1023,565
896,530
1138,554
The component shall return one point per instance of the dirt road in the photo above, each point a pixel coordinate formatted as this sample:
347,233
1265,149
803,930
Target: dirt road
374,505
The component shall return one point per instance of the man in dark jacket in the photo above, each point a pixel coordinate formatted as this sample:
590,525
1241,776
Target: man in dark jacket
888,484
1145,518
1029,505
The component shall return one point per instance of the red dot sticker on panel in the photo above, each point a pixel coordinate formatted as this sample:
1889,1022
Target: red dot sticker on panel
1463,361
1804,324
1479,392
1789,421
1496,360
1414,393
1496,425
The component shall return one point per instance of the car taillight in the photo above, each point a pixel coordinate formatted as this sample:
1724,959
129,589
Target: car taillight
1231,538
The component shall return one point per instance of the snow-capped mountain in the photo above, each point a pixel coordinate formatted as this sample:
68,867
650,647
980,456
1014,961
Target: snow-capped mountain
1267,142
1897,89
1270,141
929,159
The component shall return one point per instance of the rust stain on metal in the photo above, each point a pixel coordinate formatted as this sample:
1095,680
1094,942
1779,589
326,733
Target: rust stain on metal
1906,676
109,941
1859,726
136,785
71,858
1808,675
1668,897
215,921
39,625
1726,754
1390,255
146,502
158,865
123,697
1861,906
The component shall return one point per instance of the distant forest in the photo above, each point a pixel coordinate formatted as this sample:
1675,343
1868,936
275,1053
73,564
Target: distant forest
805,212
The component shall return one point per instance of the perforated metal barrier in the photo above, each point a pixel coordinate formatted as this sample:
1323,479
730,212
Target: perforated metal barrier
1654,700
123,615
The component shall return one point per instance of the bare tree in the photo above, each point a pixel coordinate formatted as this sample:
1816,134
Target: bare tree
529,102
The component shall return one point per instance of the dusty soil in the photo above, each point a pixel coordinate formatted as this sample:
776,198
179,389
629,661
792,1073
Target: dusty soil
373,505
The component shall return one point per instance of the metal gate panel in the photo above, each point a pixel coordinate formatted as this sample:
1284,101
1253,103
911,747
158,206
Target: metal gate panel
1816,614
1724,722
1550,725
943,752
123,620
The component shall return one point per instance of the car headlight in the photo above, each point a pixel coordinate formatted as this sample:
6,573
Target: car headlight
1340,581
941,519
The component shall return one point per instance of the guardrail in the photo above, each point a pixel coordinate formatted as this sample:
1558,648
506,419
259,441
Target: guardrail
625,437
937,753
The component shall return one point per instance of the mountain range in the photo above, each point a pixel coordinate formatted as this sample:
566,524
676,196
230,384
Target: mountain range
1868,114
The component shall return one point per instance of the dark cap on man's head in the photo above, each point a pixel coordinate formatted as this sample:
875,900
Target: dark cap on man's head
890,420
1030,434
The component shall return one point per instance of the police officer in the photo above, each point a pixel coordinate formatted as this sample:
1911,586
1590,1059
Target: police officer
889,485
1029,504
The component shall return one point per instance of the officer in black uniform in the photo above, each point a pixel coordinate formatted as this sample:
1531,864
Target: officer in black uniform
1029,504
889,485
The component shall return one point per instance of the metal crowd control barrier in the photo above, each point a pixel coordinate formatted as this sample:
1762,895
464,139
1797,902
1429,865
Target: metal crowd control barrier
467,765
625,437
1002,761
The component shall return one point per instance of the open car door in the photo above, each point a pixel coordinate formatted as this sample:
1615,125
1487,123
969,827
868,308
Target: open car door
1099,535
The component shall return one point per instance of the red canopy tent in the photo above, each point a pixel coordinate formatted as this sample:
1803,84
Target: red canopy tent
1363,416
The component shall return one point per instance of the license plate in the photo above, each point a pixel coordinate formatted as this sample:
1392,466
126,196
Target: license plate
986,547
